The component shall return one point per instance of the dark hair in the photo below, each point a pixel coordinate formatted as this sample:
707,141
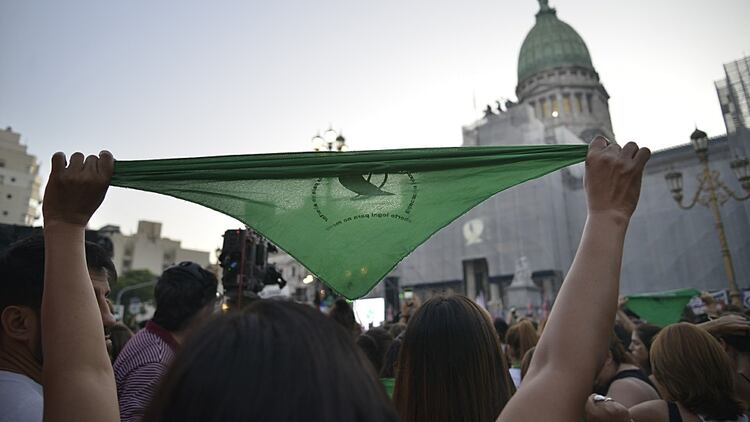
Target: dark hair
22,271
119,334
375,343
369,347
396,329
276,361
182,292
451,365
390,362
693,369
622,334
343,314
501,327
619,353
646,333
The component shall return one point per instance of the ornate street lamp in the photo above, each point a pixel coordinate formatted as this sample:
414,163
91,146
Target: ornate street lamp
713,193
330,141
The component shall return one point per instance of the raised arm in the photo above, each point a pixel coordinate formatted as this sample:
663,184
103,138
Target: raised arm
574,342
79,384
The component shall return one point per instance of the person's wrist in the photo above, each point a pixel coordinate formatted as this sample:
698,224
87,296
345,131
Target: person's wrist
54,224
611,216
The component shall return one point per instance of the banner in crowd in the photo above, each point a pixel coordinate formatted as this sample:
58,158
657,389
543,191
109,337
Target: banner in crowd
348,217
662,308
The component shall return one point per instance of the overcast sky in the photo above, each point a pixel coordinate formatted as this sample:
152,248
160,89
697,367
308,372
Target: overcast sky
157,79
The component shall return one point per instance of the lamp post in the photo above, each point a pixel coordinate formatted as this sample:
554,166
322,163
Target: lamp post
330,141
713,193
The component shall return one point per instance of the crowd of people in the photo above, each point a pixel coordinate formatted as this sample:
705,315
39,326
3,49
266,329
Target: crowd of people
64,358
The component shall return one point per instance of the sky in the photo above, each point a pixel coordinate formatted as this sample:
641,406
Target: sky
158,79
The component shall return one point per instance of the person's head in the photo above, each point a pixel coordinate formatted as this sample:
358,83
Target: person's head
119,334
451,366
390,361
693,370
396,329
640,345
276,361
343,314
622,334
616,355
185,293
521,337
382,342
103,274
22,285
526,362
501,327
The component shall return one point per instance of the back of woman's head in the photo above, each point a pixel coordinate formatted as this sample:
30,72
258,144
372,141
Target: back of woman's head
381,342
451,366
692,369
343,314
276,361
521,337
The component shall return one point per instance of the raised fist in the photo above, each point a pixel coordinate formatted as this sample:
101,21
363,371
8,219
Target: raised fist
76,189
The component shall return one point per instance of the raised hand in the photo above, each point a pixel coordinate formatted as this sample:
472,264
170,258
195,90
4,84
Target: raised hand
727,325
76,189
604,409
613,177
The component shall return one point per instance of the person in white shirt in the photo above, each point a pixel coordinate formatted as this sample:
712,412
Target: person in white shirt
21,287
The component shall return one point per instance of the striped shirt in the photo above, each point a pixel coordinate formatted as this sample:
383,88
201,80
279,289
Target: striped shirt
139,367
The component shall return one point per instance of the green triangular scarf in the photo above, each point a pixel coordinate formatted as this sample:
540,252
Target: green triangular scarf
349,217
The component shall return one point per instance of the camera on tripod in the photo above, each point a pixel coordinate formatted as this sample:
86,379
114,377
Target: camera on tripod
244,261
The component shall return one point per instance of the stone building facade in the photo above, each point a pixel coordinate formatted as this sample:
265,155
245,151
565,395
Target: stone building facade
535,227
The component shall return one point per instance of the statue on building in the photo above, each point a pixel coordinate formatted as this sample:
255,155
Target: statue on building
488,111
522,276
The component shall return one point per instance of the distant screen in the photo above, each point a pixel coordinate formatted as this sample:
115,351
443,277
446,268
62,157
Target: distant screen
369,311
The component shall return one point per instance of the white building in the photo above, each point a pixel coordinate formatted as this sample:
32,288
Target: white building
19,181
147,250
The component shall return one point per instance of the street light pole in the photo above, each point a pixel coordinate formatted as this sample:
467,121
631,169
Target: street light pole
713,193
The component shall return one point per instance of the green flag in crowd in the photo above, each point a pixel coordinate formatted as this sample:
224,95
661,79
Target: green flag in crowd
661,308
349,217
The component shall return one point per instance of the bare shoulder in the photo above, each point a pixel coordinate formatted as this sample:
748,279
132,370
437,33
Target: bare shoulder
653,410
631,391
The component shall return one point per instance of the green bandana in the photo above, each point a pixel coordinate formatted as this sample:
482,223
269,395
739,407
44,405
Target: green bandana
349,217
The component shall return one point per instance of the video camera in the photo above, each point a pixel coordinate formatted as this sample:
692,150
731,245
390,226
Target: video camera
244,261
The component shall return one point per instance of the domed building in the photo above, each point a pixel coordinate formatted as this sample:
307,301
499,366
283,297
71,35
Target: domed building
557,78
513,250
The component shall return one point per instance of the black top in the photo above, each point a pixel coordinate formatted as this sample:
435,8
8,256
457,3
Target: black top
631,373
674,412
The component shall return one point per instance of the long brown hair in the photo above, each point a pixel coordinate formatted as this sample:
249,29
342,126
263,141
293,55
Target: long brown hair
451,366
693,370
521,337
274,361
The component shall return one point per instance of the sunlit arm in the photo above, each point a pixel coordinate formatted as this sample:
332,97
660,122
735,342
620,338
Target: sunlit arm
78,375
574,341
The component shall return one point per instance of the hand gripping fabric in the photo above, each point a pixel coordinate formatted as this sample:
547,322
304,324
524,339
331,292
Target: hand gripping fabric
349,217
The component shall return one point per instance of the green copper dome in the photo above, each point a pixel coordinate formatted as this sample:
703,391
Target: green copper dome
551,43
